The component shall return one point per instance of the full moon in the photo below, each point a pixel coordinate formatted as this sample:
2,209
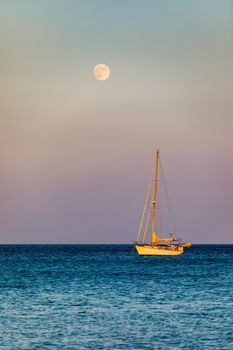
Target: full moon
101,71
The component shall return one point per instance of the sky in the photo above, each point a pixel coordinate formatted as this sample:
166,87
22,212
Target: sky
76,153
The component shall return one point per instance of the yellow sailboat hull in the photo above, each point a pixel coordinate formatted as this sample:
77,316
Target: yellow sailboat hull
158,250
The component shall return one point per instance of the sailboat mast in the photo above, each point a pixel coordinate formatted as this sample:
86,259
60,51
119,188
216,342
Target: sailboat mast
155,191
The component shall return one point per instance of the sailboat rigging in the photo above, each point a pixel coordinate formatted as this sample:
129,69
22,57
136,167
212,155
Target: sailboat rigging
169,246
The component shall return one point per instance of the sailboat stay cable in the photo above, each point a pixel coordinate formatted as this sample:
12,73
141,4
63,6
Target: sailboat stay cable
145,205
147,222
159,225
167,199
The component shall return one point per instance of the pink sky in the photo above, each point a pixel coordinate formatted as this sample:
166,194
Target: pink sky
76,153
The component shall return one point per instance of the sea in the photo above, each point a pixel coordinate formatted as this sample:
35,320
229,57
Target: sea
88,297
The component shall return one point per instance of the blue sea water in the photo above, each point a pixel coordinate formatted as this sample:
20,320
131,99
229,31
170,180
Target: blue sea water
107,297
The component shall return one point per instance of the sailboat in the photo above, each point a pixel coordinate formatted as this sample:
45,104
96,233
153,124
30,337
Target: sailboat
157,245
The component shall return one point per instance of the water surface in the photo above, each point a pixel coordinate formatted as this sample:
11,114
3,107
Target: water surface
107,297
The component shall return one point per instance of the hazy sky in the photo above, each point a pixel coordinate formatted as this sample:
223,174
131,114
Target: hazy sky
76,153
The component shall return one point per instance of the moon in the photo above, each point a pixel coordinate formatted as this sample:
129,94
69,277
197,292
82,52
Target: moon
101,71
